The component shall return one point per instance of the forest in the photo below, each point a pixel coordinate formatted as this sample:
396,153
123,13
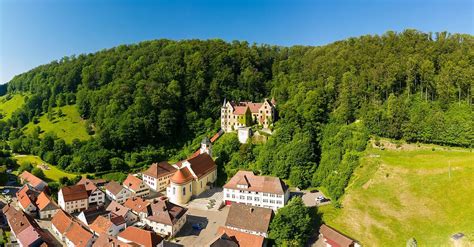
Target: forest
149,101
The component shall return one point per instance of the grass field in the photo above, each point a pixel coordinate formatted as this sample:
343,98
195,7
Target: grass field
395,195
53,174
7,107
67,127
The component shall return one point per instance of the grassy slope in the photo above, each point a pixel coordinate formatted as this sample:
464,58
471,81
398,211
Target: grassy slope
7,107
404,194
53,174
67,127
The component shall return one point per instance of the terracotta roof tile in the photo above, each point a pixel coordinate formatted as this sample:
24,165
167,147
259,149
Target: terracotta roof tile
101,225
25,196
161,169
242,239
132,182
182,176
165,212
74,192
78,235
249,217
44,202
25,228
335,237
140,236
114,187
137,204
61,220
202,164
32,179
117,209
108,241
265,184
90,185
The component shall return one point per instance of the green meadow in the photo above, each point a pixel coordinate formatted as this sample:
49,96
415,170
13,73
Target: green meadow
68,126
9,105
52,174
425,192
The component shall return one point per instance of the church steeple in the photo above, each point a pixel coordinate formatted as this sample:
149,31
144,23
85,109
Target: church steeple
206,146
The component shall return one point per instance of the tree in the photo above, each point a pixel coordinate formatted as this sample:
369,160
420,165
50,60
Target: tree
25,166
38,172
293,224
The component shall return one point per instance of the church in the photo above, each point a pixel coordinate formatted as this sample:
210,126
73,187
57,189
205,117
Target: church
193,176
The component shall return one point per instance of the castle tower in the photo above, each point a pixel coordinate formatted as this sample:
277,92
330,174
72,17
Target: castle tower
206,146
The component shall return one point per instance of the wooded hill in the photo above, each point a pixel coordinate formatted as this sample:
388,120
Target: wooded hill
145,102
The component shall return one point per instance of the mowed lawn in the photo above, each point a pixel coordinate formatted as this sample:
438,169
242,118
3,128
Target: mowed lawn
396,195
7,107
68,127
53,174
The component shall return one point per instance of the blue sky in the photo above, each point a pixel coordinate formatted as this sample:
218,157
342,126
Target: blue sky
34,32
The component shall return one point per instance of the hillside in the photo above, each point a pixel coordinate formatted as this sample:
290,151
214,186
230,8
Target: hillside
9,104
146,102
405,192
68,126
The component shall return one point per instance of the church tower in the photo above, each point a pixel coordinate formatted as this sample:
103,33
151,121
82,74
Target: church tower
206,146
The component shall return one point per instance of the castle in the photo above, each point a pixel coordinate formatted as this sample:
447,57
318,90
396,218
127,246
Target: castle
236,115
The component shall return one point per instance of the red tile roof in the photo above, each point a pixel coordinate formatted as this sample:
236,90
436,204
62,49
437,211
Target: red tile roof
242,239
202,164
74,193
137,204
182,176
249,217
334,237
108,241
161,169
32,179
25,228
141,237
25,196
90,185
101,225
61,221
114,187
165,212
132,182
44,202
265,184
117,209
78,235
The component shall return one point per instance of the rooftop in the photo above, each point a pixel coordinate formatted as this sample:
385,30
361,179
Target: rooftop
249,217
165,212
265,184
74,192
132,182
158,170
137,204
334,237
241,238
32,179
140,236
114,187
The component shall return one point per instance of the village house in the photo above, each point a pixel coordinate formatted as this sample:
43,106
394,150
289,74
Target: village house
166,218
232,238
116,192
96,196
35,182
261,191
89,215
140,237
193,176
249,219
158,175
105,240
243,114
333,238
108,225
26,197
138,206
136,186
25,229
46,207
117,209
73,198
70,231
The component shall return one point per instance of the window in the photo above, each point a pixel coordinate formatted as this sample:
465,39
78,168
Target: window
174,190
249,198
272,201
233,196
191,188
201,184
265,194
265,200
257,199
242,197
184,191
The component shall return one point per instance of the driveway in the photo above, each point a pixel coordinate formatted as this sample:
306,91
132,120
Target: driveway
309,198
210,219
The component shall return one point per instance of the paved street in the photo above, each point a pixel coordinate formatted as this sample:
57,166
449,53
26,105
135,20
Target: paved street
211,220
208,200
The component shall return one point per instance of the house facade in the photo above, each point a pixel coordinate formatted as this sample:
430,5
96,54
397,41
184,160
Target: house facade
116,192
261,191
46,207
166,218
69,231
96,196
117,209
73,199
158,175
243,114
136,186
26,197
138,206
193,176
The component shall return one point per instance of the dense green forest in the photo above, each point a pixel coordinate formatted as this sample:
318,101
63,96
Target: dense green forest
145,102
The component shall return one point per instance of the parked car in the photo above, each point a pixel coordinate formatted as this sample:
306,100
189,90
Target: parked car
320,198
5,191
